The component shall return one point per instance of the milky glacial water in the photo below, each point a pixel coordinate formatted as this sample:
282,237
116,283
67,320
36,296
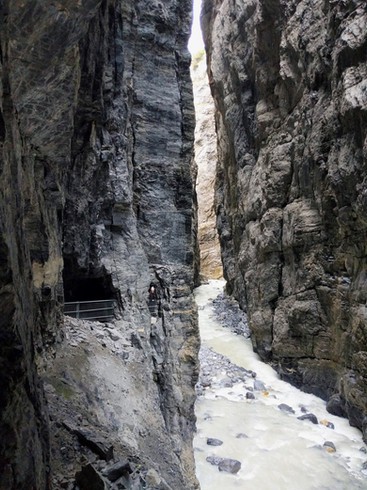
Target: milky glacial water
277,451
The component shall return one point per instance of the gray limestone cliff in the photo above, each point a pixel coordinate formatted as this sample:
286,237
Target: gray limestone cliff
289,79
96,202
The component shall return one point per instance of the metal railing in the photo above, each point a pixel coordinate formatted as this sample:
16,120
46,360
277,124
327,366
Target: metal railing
103,309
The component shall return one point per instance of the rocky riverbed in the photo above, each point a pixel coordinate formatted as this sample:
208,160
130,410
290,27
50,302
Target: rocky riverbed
250,422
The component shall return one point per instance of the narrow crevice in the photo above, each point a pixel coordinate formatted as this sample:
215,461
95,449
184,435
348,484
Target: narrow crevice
206,162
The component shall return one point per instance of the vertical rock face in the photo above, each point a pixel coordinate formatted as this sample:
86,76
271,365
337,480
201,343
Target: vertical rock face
206,161
289,80
97,201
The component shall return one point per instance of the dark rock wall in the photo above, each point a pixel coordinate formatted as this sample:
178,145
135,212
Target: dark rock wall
289,80
96,138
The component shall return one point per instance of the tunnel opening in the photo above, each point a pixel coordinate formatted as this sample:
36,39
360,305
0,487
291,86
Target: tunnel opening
89,294
88,288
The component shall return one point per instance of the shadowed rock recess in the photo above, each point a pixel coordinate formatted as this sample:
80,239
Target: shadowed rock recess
289,80
97,202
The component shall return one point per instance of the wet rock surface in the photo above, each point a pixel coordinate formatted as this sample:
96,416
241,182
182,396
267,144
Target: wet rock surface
285,408
289,82
225,464
309,416
214,442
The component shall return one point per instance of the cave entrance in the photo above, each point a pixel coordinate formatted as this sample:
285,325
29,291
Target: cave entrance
88,295
205,155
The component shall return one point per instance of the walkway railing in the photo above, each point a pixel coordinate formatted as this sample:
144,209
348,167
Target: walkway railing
91,310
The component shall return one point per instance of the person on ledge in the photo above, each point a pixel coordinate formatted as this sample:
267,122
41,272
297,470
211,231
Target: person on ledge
153,300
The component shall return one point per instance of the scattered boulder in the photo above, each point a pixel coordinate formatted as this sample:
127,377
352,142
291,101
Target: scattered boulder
135,341
225,464
152,478
88,478
364,430
259,385
214,460
199,390
114,336
335,406
92,441
283,407
329,446
95,443
205,382
327,424
229,465
309,416
214,442
226,383
114,472
241,435
124,355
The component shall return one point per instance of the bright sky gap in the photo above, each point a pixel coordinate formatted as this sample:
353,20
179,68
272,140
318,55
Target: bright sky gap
196,40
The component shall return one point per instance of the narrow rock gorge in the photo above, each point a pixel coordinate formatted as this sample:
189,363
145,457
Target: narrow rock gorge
289,79
97,202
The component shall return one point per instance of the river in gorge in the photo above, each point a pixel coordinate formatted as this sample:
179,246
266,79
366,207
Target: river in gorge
277,451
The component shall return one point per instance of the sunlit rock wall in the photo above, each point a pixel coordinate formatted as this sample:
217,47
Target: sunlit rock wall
96,141
206,161
289,80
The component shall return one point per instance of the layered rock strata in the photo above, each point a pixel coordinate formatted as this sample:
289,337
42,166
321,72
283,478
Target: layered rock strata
97,201
206,162
289,79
